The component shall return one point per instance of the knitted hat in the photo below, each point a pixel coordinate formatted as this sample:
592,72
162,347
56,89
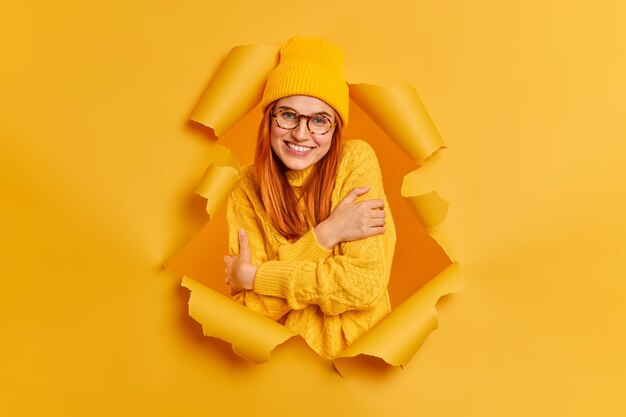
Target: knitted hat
309,67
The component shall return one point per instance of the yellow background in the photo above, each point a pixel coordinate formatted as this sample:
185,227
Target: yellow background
99,163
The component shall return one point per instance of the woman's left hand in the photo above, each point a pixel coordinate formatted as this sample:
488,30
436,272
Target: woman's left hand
240,270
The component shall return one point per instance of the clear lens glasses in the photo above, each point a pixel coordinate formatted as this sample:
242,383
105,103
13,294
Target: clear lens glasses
318,124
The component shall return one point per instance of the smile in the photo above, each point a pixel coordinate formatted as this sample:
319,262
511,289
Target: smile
298,148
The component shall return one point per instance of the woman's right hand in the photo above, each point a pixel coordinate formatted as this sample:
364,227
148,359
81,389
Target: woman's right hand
352,220
240,270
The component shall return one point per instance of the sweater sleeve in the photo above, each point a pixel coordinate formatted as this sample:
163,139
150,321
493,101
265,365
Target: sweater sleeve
306,248
241,215
355,275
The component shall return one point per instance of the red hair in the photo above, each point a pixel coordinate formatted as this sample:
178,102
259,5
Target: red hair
280,202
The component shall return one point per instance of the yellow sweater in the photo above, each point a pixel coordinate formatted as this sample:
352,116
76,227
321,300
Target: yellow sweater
329,297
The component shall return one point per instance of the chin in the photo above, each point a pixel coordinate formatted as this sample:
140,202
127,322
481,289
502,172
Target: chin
297,165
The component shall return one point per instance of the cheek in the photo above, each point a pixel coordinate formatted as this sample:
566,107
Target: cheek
274,140
275,131
325,145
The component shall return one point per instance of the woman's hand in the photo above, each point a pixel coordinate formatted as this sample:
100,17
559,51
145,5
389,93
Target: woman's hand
352,220
239,269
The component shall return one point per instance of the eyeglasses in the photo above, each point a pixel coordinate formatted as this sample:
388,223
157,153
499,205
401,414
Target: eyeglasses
288,119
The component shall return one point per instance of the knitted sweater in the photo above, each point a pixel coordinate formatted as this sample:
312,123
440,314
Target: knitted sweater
329,297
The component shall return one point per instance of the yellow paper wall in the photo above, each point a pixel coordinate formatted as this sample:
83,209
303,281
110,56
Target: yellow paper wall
99,163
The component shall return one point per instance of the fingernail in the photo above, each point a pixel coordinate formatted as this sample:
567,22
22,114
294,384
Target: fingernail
241,232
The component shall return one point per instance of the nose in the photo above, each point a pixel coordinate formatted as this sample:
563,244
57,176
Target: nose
301,132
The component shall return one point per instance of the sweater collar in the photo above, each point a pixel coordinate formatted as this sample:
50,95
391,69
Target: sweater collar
297,178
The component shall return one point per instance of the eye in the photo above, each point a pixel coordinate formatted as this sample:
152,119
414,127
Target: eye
320,120
288,115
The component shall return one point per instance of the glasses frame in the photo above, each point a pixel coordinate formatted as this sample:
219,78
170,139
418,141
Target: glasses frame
299,116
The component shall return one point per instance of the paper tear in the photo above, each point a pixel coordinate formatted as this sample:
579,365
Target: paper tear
236,87
399,111
252,335
419,188
425,178
397,337
216,185
430,208
441,236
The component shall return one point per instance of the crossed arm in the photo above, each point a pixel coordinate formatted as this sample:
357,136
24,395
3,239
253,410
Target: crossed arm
336,265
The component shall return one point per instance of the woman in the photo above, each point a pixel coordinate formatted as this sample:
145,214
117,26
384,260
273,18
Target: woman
311,240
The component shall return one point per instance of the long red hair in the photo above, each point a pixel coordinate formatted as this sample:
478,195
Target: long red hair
279,200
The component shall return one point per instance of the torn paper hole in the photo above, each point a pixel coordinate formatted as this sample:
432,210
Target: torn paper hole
401,114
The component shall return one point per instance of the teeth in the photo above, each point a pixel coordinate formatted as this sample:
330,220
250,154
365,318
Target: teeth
298,148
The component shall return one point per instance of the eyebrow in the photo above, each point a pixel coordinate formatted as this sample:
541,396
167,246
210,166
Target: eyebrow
319,113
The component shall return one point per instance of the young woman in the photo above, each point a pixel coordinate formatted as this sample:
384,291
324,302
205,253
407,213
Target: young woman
311,236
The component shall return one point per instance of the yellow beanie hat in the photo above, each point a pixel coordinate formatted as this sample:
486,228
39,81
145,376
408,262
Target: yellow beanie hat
309,67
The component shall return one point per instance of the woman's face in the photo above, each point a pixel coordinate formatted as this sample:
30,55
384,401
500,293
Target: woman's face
298,148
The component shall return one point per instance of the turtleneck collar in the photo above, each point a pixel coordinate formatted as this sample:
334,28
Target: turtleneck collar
297,178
